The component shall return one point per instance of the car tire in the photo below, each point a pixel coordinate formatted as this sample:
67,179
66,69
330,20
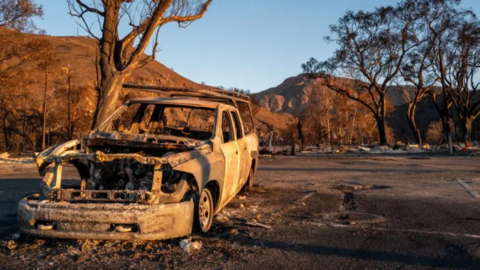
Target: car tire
204,210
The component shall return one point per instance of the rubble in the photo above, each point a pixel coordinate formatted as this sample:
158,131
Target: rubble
231,231
473,251
222,217
381,149
187,245
254,223
12,245
413,148
425,146
364,149
399,144
6,158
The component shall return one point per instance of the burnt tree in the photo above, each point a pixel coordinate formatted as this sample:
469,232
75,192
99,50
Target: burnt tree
44,56
120,56
372,49
461,71
445,30
418,67
17,15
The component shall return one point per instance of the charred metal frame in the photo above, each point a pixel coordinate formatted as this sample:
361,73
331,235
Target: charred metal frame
210,94
128,214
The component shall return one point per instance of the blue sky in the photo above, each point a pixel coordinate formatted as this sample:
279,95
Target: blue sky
249,44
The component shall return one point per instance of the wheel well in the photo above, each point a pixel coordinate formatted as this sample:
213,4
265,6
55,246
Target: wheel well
254,163
214,188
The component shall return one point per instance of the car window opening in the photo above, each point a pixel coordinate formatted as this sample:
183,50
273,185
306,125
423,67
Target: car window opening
226,128
157,119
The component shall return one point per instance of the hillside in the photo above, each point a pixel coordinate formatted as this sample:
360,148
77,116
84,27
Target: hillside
79,54
293,96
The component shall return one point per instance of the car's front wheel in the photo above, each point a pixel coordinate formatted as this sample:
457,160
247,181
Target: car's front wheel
204,211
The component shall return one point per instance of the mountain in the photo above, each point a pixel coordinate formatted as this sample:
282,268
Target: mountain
293,96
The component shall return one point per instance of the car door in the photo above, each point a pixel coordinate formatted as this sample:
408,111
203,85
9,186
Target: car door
230,151
243,155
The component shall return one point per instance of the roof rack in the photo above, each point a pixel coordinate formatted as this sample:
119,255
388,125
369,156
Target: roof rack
179,91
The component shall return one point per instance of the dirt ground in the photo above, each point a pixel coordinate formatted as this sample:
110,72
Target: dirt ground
375,212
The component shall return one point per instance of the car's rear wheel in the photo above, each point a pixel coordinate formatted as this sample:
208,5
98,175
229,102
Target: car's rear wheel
204,211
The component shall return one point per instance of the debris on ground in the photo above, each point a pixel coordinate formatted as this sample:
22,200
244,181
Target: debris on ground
473,251
344,150
231,231
254,223
399,144
346,219
381,149
12,245
187,245
425,146
364,149
5,158
222,217
302,200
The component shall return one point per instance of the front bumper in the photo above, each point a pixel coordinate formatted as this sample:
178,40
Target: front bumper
100,220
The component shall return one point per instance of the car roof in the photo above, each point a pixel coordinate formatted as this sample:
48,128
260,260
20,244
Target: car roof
187,102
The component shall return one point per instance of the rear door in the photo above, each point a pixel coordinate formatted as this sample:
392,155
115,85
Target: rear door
243,152
230,152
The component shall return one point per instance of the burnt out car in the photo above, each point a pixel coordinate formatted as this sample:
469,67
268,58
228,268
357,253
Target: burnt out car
156,169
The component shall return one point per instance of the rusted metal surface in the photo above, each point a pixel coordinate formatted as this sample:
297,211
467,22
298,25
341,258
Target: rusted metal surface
98,221
138,186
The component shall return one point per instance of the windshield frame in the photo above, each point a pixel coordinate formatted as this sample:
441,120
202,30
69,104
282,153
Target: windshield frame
106,125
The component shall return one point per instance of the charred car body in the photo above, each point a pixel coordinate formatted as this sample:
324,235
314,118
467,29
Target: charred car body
155,169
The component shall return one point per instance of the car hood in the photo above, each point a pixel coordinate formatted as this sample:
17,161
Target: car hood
168,150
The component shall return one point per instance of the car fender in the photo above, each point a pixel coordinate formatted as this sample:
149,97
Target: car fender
43,160
205,168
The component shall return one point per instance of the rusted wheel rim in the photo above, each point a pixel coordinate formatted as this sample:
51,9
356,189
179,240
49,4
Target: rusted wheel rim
205,211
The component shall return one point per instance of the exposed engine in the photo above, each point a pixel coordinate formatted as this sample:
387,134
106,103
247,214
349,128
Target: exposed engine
129,175
170,179
120,175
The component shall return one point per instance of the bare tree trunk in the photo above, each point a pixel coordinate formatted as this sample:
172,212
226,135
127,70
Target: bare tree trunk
5,130
271,138
340,132
24,127
412,123
353,126
49,134
69,121
108,98
448,135
467,129
380,117
382,135
44,127
300,134
329,135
